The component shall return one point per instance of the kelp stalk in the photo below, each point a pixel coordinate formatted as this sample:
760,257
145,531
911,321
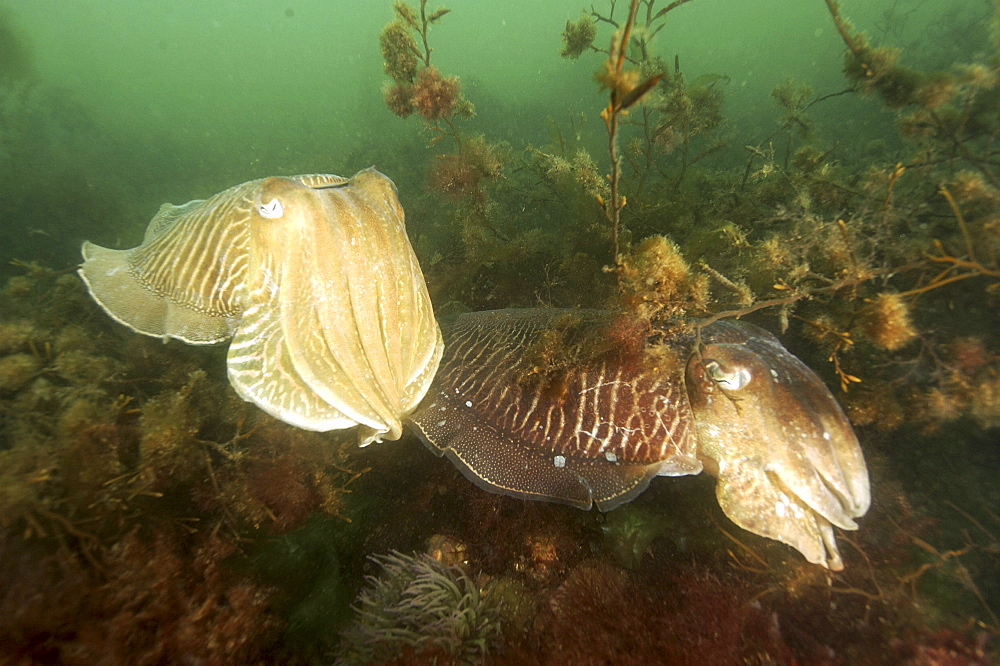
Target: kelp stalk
615,80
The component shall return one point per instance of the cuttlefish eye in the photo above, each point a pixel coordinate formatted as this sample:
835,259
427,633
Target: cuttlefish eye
271,210
731,379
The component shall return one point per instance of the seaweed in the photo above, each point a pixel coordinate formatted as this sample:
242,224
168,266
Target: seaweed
157,598
129,478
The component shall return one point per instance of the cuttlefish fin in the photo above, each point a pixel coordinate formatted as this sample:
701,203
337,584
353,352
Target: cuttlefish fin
126,300
528,439
185,280
503,463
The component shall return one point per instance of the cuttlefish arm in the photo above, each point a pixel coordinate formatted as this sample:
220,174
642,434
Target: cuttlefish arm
788,463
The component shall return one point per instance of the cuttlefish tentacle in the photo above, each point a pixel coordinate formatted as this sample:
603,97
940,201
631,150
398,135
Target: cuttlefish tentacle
314,278
789,465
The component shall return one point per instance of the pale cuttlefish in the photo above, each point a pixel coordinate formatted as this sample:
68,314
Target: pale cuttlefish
313,278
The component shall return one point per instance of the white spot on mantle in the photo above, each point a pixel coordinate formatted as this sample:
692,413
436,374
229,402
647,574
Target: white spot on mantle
468,403
611,457
559,461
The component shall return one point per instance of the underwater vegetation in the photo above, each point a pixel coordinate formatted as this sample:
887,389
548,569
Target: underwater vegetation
149,515
855,259
129,475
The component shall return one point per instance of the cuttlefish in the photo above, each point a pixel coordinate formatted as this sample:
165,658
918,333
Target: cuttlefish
312,277
315,281
555,405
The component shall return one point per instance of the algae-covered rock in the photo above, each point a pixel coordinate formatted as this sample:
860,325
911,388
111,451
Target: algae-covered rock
16,371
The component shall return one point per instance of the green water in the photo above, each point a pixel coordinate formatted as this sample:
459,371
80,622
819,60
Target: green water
142,102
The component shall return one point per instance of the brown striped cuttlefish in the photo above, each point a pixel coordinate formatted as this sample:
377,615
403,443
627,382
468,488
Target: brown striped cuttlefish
545,404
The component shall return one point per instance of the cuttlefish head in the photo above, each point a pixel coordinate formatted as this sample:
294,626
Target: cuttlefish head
285,211
788,463
338,328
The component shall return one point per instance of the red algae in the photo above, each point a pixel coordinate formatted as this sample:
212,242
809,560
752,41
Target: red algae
164,604
153,602
434,96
